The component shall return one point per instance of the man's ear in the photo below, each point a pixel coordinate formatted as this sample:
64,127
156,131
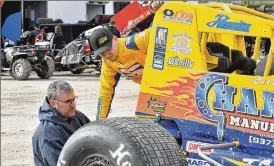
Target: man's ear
114,40
52,103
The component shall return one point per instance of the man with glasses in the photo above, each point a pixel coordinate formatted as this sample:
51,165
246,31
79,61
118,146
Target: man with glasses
59,119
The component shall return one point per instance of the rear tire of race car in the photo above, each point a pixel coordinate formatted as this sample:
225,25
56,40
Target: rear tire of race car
122,142
21,69
48,68
77,71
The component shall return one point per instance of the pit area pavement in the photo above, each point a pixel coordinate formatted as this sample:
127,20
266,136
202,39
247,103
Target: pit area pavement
20,102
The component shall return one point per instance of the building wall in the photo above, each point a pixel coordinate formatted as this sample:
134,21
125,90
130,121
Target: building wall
40,9
68,11
34,10
109,8
93,10
73,11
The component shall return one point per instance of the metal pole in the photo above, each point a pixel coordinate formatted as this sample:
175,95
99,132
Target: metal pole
22,16
214,146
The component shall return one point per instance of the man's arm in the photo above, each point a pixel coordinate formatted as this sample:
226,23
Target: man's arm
118,33
30,38
50,152
155,5
108,81
142,40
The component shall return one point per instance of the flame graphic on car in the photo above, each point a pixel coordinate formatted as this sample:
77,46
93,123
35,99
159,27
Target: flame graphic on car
183,90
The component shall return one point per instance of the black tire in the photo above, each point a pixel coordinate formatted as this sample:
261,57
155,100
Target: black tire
48,68
122,142
77,71
261,67
23,64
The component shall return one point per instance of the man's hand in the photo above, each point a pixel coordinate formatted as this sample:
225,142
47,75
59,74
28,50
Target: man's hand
155,5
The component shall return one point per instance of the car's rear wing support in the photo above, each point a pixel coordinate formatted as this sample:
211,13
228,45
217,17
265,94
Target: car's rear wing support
246,11
269,59
215,146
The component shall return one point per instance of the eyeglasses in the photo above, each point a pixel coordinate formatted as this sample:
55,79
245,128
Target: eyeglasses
74,100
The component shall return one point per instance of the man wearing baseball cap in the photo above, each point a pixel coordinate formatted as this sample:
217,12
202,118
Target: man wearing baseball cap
36,35
120,56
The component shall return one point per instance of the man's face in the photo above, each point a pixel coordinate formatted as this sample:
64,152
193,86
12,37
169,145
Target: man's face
111,54
132,25
65,104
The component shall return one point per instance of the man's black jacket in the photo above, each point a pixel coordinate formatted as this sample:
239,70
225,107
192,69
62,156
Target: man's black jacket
114,31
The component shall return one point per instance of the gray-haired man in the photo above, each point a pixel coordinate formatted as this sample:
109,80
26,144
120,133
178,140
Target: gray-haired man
59,119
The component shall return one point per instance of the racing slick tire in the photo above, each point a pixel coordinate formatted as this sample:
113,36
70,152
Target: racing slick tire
21,69
121,142
48,68
77,71
261,67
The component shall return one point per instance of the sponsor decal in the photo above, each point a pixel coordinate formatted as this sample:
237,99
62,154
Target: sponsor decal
161,37
181,43
160,48
260,81
156,105
262,141
179,16
134,72
196,162
192,146
244,116
176,62
222,22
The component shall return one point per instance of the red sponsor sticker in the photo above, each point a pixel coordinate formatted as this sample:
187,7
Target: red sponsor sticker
192,146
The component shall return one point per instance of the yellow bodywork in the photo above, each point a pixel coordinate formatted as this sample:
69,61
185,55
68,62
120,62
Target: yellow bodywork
174,68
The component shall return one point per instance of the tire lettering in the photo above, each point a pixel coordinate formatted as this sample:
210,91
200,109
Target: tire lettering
120,155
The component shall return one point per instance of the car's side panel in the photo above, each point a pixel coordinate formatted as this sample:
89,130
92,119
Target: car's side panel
210,107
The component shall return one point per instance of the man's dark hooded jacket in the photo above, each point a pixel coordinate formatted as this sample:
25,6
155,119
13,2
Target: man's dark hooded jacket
52,134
